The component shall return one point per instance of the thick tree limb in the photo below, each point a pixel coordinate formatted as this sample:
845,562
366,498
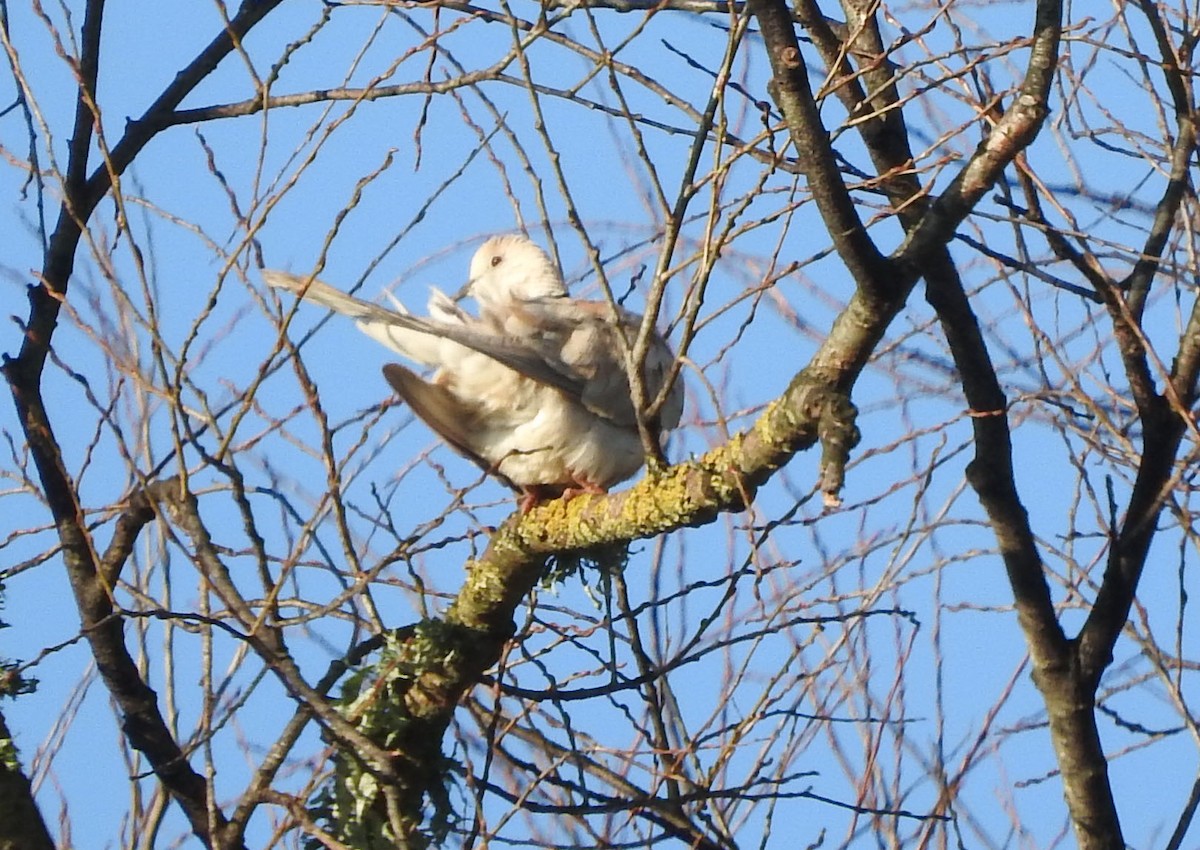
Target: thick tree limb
21,824
1069,696
90,576
791,91
453,657
1015,130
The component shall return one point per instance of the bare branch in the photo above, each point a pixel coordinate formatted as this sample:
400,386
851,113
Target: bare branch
791,91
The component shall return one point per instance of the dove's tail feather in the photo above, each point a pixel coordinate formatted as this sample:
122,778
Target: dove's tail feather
392,328
319,292
442,411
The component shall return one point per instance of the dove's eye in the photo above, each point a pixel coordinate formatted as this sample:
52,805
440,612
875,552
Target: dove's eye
496,260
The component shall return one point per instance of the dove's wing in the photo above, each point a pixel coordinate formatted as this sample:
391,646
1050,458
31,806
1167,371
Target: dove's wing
578,341
451,419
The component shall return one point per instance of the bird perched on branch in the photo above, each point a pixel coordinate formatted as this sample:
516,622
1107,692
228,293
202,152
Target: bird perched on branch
535,390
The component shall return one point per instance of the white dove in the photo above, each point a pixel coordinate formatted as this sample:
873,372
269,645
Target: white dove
535,390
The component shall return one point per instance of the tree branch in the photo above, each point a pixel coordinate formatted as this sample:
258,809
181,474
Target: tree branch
266,638
90,576
1073,726
21,824
791,91
1165,417
1012,133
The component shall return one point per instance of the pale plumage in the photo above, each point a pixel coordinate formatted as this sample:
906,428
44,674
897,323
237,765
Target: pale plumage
535,389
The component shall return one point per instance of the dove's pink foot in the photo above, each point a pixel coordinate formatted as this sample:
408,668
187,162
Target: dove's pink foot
581,486
533,495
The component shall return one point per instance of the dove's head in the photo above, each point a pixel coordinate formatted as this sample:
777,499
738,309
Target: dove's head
511,268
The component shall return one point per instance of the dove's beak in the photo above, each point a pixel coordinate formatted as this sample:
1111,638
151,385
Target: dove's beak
463,292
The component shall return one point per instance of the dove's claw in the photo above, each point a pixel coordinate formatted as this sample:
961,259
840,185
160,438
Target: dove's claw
579,487
533,495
